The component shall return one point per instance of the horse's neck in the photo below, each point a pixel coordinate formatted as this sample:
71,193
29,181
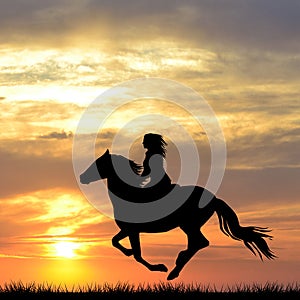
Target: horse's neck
115,184
111,182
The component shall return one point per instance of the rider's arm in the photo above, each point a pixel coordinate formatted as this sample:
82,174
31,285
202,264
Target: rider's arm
156,164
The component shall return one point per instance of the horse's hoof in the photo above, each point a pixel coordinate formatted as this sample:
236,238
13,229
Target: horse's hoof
173,274
161,268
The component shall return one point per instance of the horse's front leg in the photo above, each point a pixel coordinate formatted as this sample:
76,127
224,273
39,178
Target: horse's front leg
134,239
117,238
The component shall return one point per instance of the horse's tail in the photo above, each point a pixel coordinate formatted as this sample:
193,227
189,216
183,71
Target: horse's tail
253,237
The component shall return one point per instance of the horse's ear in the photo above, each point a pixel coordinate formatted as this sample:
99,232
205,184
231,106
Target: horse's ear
106,152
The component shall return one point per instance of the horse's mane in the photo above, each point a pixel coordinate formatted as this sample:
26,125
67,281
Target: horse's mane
136,168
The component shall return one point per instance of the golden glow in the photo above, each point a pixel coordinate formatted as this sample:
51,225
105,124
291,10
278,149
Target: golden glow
46,224
80,95
146,107
66,249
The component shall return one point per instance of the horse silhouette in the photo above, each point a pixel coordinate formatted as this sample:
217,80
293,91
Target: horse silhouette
188,216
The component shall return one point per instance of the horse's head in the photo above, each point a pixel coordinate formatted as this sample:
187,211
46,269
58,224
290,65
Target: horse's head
113,166
97,170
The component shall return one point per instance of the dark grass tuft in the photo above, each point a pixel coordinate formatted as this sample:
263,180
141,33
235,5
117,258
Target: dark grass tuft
32,290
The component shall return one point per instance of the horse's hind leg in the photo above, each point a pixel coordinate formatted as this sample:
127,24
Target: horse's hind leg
196,241
136,248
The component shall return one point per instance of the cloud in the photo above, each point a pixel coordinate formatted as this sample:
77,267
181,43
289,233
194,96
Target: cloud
57,135
66,66
199,68
256,188
268,25
35,122
30,111
272,147
25,173
44,217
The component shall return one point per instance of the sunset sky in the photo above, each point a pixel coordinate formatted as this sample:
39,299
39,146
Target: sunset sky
57,56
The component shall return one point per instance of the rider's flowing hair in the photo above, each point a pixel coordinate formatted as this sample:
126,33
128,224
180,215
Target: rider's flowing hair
156,144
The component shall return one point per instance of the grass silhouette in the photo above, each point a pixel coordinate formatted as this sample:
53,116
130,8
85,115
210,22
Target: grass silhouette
32,290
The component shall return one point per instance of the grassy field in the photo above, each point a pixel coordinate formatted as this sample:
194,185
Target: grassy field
19,290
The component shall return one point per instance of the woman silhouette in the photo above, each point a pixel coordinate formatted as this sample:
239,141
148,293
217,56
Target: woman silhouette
153,166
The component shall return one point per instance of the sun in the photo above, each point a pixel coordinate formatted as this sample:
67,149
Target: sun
66,249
